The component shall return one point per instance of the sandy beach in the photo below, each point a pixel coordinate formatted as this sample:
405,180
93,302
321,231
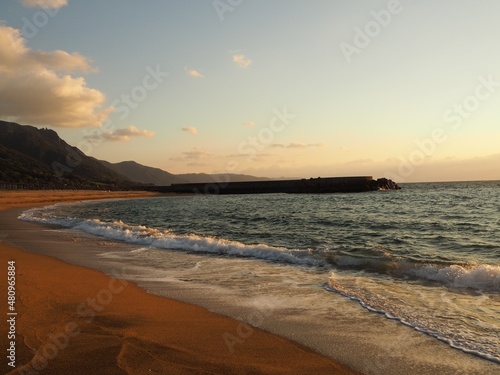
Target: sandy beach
72,319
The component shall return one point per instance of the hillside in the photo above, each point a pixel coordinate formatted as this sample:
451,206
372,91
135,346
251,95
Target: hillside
16,167
31,155
141,173
149,175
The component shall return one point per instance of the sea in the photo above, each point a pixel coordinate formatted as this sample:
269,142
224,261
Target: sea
426,257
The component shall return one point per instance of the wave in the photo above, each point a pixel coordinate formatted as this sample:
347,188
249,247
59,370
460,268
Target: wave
481,277
166,239
484,277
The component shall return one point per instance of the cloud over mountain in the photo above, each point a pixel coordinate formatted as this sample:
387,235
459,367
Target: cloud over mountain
120,135
194,154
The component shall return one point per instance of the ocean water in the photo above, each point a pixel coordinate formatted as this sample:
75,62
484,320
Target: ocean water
427,256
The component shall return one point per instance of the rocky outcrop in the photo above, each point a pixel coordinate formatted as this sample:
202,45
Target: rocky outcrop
386,184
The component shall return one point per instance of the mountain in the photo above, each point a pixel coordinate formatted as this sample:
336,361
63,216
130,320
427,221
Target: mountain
148,175
16,167
29,155
141,173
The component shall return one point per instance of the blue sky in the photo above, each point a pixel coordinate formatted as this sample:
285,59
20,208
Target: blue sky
404,89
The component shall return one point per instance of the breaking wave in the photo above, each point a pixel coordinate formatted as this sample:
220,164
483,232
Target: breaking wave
166,239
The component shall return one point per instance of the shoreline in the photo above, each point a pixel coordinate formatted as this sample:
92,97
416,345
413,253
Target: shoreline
123,328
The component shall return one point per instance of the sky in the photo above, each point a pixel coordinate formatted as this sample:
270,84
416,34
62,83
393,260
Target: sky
408,90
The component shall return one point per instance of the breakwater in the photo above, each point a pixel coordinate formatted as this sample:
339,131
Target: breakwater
302,186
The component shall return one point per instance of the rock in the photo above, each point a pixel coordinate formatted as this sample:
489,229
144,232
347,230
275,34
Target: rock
387,184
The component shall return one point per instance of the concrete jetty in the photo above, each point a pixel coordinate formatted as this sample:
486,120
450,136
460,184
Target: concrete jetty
302,186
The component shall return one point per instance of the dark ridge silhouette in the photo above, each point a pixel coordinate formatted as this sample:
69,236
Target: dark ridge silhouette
155,176
143,174
32,155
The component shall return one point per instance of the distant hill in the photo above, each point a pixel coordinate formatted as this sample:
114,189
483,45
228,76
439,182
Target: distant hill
149,175
32,155
141,173
229,177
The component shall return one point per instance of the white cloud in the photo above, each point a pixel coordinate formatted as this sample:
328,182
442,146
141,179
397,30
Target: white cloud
195,154
248,123
190,130
241,60
121,135
193,73
51,4
36,86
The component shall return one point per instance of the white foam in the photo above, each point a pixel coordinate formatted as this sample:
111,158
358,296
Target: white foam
166,239
482,277
139,250
376,303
